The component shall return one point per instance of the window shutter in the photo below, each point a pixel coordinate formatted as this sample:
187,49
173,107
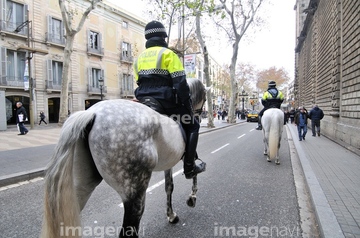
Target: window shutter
130,52
26,17
3,63
90,81
103,75
100,43
49,29
63,32
49,70
3,13
89,39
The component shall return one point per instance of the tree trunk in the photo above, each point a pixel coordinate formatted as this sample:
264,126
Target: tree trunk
233,84
64,97
210,115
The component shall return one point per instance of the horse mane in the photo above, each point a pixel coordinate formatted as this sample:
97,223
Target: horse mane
197,90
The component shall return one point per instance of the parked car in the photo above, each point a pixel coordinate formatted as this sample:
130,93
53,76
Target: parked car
252,116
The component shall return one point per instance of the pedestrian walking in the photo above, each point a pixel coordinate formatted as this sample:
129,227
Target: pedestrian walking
292,115
21,118
316,114
42,118
301,118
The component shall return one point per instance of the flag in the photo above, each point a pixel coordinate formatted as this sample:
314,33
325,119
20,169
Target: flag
26,76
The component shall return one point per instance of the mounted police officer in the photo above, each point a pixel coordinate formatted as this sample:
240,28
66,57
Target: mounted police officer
272,98
160,75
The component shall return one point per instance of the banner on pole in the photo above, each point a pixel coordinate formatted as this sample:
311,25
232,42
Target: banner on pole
189,64
26,76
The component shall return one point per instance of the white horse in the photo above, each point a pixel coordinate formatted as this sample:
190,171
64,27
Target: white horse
119,141
273,123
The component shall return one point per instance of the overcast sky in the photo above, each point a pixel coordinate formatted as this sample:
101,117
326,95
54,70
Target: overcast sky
273,45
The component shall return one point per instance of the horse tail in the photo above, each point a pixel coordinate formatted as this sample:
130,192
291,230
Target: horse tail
274,136
61,207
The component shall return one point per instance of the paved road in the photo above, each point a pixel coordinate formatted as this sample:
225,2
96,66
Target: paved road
240,195
330,169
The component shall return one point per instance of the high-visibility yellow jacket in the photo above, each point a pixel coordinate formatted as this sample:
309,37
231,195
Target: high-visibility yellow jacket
160,74
272,98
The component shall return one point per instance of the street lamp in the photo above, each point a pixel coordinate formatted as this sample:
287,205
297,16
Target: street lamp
30,51
243,95
101,84
29,57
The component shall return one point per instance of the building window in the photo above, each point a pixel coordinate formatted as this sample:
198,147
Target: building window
54,76
56,31
94,76
94,43
14,67
125,24
94,40
128,83
14,14
126,52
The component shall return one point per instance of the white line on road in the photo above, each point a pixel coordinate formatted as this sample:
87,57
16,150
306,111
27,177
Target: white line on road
219,148
241,136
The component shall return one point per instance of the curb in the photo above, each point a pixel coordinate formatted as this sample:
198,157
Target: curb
21,176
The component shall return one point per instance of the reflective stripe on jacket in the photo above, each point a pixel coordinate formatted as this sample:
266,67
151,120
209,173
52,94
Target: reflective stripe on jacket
160,74
272,98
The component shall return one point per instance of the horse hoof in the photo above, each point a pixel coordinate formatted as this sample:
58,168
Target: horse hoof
265,153
191,202
277,162
268,160
174,220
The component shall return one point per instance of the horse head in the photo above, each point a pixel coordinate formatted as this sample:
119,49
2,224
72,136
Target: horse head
198,94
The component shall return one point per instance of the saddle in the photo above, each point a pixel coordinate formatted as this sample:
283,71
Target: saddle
156,106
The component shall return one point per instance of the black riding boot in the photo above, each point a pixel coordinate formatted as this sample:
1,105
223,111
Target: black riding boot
259,127
190,168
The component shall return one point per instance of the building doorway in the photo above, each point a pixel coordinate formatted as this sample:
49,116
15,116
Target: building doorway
10,102
54,109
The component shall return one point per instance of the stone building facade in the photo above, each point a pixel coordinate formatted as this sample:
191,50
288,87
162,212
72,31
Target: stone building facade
103,53
327,70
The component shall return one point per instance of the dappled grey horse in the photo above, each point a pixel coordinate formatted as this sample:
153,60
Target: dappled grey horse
119,141
273,123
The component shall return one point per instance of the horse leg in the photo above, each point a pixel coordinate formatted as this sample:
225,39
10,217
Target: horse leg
277,161
86,175
191,202
134,204
266,145
169,188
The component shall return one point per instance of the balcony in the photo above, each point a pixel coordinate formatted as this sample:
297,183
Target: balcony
96,52
126,59
53,39
96,90
8,27
14,82
127,93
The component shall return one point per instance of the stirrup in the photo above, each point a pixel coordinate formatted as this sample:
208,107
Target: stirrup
196,170
259,127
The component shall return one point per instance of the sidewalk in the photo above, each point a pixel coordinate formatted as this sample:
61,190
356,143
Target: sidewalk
332,175
332,172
